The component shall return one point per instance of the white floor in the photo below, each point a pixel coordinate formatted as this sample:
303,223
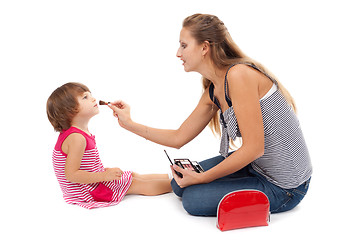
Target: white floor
127,50
42,213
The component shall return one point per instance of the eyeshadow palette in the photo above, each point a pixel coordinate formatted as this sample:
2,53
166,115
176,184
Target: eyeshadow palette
186,164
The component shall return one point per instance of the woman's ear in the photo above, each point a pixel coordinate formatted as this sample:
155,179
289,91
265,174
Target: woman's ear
205,48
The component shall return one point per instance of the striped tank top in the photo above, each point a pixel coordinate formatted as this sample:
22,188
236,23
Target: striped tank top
101,194
286,160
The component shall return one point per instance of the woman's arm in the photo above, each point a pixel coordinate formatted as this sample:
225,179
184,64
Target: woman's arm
190,128
244,93
74,146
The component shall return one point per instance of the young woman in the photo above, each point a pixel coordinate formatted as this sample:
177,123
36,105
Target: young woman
248,102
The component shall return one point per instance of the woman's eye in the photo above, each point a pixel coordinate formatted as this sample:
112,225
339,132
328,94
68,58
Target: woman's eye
183,45
85,97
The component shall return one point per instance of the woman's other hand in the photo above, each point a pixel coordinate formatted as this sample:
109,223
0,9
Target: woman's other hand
189,177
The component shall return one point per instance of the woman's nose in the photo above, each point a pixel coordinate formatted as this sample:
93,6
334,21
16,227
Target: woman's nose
178,54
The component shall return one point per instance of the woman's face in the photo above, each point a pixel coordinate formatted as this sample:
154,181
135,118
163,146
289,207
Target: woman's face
190,52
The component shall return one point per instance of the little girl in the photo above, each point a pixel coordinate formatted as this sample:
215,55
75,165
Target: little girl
82,178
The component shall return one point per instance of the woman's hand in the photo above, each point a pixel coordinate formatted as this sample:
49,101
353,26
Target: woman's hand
121,111
189,177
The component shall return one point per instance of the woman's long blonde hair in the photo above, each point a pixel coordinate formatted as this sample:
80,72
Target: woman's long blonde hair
224,53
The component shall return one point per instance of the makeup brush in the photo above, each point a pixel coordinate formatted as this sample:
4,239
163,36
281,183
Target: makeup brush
103,102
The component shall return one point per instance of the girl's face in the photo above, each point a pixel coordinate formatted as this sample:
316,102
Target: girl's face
190,52
88,106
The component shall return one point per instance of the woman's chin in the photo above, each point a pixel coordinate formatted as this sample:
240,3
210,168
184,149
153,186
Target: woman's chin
186,69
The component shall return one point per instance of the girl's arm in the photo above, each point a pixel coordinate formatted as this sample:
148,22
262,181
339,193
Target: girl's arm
190,128
74,146
244,93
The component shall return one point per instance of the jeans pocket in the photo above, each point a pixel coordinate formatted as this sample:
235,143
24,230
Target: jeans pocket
291,198
286,203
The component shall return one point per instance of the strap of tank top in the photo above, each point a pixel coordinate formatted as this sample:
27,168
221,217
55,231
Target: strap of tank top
212,98
227,98
226,86
211,91
90,140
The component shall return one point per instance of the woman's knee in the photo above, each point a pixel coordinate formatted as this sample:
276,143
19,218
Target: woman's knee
197,204
176,189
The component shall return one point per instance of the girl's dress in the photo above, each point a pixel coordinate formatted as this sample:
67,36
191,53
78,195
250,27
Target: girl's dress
101,194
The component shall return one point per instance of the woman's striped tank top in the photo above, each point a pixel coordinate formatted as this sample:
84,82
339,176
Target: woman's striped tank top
286,161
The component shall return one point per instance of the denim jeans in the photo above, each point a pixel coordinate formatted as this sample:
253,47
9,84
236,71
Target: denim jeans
203,199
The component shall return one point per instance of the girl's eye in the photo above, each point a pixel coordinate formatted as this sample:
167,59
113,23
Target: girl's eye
85,97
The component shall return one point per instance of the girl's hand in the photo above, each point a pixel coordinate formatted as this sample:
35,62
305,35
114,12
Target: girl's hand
121,111
189,177
112,174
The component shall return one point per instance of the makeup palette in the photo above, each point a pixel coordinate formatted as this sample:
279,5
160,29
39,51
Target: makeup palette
185,164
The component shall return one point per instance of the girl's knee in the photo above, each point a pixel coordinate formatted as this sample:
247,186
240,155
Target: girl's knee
135,175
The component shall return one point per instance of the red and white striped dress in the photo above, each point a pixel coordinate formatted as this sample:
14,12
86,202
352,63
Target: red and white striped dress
94,195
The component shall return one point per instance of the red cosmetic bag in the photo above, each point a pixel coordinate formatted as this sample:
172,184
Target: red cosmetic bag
243,208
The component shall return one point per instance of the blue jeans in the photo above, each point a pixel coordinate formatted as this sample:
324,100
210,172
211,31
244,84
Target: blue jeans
203,199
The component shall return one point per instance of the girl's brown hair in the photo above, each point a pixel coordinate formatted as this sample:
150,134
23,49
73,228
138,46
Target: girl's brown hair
62,105
224,52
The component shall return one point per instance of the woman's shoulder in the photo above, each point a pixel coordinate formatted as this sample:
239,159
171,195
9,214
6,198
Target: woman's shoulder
241,74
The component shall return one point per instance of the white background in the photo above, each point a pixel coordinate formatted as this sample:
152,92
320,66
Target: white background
126,50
